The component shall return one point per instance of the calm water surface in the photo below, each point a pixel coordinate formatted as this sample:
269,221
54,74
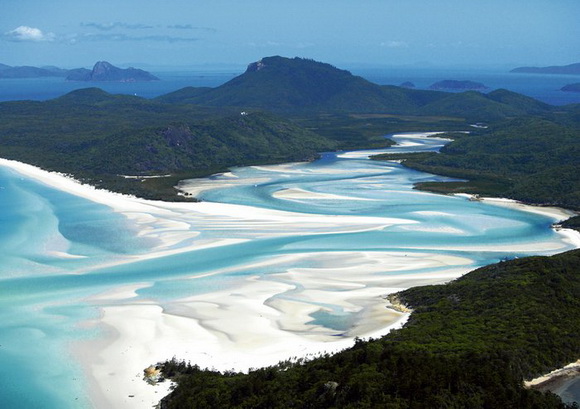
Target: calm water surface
54,247
543,87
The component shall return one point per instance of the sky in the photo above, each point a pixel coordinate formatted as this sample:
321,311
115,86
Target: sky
184,33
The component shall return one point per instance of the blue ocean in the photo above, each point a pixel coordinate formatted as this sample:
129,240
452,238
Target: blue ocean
58,250
543,87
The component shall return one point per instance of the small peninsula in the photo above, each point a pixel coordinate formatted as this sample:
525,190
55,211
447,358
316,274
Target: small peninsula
456,85
571,69
571,87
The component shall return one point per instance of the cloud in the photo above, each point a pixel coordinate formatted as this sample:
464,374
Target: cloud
25,33
270,43
395,44
190,27
90,37
111,26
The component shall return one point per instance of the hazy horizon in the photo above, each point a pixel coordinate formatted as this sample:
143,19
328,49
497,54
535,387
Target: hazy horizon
345,33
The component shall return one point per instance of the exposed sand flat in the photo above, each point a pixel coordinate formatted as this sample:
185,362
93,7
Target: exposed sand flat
405,141
560,381
264,318
556,213
572,369
155,336
259,322
301,194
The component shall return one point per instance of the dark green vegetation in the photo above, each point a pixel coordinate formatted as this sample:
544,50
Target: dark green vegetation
572,223
571,69
292,109
303,87
571,87
468,344
530,159
97,136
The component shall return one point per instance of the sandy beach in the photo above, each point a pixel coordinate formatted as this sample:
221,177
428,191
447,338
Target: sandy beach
264,319
558,381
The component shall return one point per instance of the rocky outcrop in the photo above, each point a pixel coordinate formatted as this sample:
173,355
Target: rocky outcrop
104,71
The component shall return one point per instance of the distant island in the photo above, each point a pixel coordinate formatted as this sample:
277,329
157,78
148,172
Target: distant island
288,109
102,71
571,87
407,84
7,71
457,85
572,69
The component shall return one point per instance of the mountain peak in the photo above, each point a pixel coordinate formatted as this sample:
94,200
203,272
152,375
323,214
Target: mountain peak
105,71
256,66
103,66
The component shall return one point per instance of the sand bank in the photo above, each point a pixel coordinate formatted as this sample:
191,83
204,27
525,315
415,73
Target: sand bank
558,381
317,302
302,194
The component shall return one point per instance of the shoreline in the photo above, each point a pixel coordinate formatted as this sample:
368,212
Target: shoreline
141,332
556,381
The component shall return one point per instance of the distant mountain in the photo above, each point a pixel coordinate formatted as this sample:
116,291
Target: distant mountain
7,71
92,132
455,85
571,87
295,84
520,102
407,84
104,71
96,135
471,105
572,69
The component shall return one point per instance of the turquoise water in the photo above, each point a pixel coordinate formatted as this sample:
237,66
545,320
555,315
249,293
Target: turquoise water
56,250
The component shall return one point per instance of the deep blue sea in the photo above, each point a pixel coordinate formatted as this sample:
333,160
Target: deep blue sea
55,247
543,87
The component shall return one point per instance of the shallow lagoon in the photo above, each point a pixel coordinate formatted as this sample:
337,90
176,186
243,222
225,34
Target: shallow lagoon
323,241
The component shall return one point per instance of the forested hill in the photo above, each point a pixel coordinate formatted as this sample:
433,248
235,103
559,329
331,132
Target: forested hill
96,136
468,344
280,109
529,159
291,85
296,84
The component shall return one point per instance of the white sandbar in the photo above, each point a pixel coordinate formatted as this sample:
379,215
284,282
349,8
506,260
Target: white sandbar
264,319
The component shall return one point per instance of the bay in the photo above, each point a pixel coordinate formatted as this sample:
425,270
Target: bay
60,251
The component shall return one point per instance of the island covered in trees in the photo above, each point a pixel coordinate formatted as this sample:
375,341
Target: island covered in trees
101,71
571,69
